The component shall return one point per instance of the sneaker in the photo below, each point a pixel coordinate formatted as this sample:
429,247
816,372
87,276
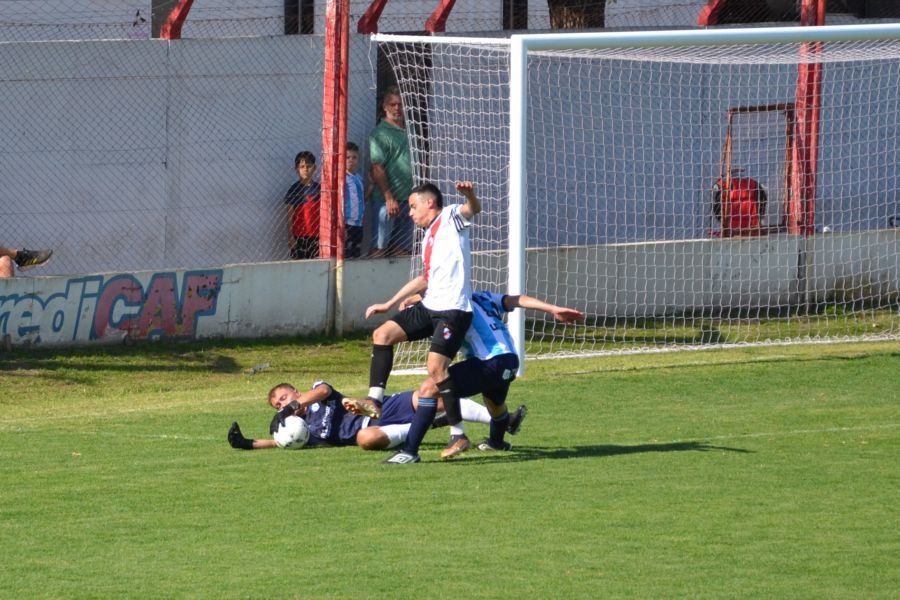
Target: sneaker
440,420
401,458
366,408
26,259
515,420
458,444
487,446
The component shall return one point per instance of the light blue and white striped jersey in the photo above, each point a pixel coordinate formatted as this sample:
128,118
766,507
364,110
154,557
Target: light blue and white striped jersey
354,200
488,335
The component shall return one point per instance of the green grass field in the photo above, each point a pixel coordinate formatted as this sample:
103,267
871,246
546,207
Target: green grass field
763,473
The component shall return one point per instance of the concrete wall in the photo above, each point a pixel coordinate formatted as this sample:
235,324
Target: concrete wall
136,155
236,301
367,282
855,266
228,302
298,297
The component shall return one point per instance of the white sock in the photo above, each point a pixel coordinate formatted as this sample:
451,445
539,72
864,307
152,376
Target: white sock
474,412
457,430
376,393
395,433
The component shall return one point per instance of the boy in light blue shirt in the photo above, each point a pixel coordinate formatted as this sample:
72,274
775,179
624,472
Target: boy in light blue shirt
354,204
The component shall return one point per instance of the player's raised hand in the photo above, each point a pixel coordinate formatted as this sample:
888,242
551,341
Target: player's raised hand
466,188
567,315
473,205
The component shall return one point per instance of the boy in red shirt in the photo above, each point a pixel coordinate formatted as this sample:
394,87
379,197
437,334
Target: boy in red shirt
302,200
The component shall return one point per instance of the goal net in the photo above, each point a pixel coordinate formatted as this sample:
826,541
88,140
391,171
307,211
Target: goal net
684,189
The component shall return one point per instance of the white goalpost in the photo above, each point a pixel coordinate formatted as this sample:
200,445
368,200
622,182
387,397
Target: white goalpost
686,189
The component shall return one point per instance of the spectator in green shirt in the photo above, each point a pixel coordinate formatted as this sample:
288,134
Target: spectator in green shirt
392,175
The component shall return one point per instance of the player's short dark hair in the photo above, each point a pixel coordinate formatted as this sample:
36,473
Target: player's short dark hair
280,385
429,189
352,147
304,156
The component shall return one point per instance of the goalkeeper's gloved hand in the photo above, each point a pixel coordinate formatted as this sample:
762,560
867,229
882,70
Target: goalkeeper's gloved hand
287,411
237,439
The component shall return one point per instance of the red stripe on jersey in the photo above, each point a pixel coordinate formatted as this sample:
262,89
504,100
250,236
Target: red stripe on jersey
429,244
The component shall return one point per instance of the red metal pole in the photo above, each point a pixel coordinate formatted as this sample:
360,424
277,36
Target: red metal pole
334,129
368,23
344,100
437,22
709,14
171,29
809,102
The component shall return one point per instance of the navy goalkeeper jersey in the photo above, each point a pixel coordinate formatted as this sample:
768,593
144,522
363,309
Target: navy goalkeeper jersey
330,423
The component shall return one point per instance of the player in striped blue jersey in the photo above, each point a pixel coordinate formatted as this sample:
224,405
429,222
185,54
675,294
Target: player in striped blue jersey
490,365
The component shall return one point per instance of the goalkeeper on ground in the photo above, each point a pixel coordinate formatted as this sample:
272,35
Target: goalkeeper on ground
335,420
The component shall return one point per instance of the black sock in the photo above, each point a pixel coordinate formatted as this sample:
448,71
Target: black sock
382,363
447,390
498,428
420,425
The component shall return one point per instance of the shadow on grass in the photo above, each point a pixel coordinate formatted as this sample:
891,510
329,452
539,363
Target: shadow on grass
523,453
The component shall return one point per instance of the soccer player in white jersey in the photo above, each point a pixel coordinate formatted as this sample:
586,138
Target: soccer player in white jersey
443,314
491,362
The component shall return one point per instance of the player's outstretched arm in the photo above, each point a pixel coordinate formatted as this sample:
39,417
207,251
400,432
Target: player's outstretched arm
560,313
414,286
237,440
472,205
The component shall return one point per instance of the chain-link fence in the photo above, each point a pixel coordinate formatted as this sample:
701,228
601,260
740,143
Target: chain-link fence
125,152
131,155
135,154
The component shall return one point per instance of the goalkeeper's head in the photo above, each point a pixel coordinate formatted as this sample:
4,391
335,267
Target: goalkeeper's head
281,395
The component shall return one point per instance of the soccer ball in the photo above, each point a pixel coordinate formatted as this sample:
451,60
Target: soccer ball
293,434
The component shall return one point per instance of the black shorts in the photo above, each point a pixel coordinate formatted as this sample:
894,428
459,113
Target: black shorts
446,328
490,378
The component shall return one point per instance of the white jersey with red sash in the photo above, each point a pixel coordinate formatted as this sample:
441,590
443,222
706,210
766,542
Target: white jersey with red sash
447,255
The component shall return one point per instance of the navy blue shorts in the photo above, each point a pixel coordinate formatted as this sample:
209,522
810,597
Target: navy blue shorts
490,378
396,409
